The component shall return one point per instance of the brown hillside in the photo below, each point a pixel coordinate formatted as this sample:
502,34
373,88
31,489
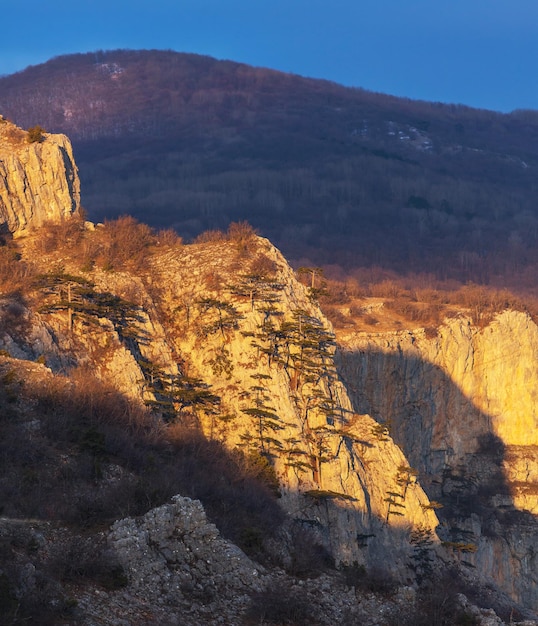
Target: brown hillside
332,175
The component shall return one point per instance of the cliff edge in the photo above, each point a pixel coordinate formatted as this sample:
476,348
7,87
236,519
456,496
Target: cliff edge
39,180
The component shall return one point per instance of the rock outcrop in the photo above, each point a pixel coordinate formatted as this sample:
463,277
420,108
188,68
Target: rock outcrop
278,381
269,359
39,181
173,554
222,338
462,406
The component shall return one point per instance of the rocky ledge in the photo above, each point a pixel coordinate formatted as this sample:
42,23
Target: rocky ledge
39,180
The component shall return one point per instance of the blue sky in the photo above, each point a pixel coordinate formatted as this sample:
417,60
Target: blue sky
483,53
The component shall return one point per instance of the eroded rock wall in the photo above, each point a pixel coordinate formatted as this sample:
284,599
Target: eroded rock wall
442,394
338,472
277,387
462,406
38,181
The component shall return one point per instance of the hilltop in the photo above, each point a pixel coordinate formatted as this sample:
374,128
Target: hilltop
332,175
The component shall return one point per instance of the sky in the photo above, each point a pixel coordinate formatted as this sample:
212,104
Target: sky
482,53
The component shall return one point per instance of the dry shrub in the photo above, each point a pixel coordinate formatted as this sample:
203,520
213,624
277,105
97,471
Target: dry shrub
125,243
425,314
65,236
484,302
426,294
93,402
336,317
335,292
86,558
355,289
35,134
14,135
210,236
423,300
15,274
386,289
118,244
169,237
243,236
241,232
263,266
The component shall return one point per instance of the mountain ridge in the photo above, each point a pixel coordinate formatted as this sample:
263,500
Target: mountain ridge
331,174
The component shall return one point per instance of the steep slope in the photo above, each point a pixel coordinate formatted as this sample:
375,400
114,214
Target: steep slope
222,337
38,180
132,364
254,336
462,407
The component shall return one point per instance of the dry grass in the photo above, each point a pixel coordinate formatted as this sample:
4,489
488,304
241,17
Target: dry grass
95,457
396,304
10,135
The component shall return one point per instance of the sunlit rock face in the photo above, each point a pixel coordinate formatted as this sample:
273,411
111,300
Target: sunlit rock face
443,394
462,406
39,180
276,376
266,351
220,337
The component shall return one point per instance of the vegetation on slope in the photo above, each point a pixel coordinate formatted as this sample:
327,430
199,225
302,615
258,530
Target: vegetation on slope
75,453
95,456
385,301
332,175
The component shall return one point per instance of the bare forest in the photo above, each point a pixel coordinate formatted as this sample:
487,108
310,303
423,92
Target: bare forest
334,176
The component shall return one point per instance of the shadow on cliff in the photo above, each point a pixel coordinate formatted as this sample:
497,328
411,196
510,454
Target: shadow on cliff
97,457
445,437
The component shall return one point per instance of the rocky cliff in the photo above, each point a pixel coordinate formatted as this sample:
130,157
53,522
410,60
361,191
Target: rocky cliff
205,313
217,346
38,180
462,406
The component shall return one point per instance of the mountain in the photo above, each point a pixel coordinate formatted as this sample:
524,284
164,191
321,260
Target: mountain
147,385
332,175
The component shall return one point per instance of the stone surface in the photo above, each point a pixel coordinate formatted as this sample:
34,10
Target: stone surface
361,467
349,482
445,398
38,181
344,441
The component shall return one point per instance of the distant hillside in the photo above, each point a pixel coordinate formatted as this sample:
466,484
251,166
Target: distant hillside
332,175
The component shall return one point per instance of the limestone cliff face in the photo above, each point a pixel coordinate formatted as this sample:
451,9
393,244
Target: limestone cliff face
38,181
443,394
462,406
265,352
273,367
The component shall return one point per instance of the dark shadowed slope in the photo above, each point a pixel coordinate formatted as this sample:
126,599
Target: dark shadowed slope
331,174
